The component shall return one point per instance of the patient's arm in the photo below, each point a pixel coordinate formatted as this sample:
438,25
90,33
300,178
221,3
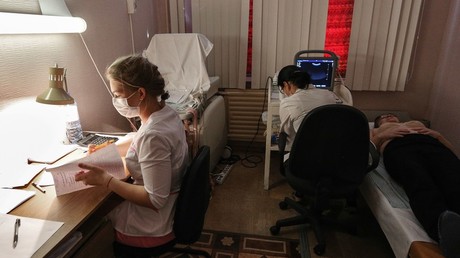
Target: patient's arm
419,127
435,134
374,157
386,132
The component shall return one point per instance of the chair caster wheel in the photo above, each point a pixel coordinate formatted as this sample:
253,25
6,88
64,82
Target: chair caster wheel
319,249
283,205
274,230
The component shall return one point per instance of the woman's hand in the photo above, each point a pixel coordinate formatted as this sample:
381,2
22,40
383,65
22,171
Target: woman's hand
93,175
93,147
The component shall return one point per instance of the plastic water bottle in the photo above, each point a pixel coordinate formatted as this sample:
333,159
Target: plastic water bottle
74,132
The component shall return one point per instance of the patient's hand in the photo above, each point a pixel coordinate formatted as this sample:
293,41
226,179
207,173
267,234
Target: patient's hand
386,132
393,131
428,131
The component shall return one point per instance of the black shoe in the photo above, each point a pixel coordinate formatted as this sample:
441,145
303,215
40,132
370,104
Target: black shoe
449,234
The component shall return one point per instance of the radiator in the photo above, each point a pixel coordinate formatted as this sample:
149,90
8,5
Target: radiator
244,111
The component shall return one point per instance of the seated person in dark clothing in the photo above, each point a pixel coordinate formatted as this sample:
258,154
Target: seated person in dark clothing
422,161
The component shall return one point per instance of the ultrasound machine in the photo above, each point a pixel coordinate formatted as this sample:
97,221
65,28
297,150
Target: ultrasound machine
320,68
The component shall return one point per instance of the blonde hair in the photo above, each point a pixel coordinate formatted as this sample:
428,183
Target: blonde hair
137,71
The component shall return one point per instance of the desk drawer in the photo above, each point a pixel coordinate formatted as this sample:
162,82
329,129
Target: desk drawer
99,244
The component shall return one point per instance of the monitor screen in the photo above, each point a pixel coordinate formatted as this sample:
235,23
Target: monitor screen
321,71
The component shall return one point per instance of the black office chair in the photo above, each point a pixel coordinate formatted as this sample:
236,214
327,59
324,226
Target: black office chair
191,207
328,159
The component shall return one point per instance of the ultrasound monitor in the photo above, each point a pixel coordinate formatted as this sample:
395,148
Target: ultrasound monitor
320,69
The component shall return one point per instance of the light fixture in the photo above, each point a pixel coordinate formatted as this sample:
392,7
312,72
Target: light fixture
16,23
55,18
55,94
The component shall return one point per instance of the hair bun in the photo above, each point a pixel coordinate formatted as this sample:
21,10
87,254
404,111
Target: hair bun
165,96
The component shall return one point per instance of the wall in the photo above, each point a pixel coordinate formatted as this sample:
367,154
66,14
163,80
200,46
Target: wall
416,97
26,58
444,112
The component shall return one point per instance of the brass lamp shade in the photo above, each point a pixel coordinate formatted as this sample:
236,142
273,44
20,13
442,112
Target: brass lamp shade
55,94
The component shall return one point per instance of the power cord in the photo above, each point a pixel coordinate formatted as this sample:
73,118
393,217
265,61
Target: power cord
251,161
131,122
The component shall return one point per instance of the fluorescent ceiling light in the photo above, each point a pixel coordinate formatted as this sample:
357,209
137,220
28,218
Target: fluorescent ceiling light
15,23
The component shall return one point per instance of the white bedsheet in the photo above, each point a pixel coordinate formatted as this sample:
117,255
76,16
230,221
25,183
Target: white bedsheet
398,223
181,60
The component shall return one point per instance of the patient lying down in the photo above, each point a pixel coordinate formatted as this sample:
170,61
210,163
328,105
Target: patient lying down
422,161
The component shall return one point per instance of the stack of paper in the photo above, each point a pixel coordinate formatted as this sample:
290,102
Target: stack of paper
49,154
11,198
107,158
16,174
32,234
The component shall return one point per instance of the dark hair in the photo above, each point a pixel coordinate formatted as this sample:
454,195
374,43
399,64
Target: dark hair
137,71
293,74
379,117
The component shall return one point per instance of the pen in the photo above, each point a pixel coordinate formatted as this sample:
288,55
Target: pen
17,224
39,188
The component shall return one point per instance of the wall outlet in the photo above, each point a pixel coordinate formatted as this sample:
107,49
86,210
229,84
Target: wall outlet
132,4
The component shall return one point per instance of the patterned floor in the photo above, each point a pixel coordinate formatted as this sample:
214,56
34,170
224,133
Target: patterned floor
233,245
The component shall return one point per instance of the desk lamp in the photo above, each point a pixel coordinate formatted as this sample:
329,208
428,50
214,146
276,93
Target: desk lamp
56,94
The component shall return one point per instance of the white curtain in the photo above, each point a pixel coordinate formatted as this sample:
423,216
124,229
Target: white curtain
282,28
381,44
225,23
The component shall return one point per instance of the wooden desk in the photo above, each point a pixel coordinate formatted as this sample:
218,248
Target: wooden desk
80,211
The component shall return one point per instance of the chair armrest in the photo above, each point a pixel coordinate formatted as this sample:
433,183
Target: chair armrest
374,157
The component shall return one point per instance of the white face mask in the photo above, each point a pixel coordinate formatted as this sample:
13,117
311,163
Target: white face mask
122,106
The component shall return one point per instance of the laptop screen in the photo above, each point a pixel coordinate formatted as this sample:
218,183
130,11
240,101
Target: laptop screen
321,71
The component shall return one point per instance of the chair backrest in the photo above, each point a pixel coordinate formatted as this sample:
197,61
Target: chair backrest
331,147
193,199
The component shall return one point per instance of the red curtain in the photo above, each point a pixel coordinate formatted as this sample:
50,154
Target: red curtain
249,58
340,13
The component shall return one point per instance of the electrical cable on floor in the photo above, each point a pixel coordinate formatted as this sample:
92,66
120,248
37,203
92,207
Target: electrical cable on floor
251,161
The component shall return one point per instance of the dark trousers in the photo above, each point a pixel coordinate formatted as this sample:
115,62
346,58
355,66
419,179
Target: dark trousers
429,172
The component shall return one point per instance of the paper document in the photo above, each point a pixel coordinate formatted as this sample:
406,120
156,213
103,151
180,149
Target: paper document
50,153
64,176
46,179
32,234
11,198
16,174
